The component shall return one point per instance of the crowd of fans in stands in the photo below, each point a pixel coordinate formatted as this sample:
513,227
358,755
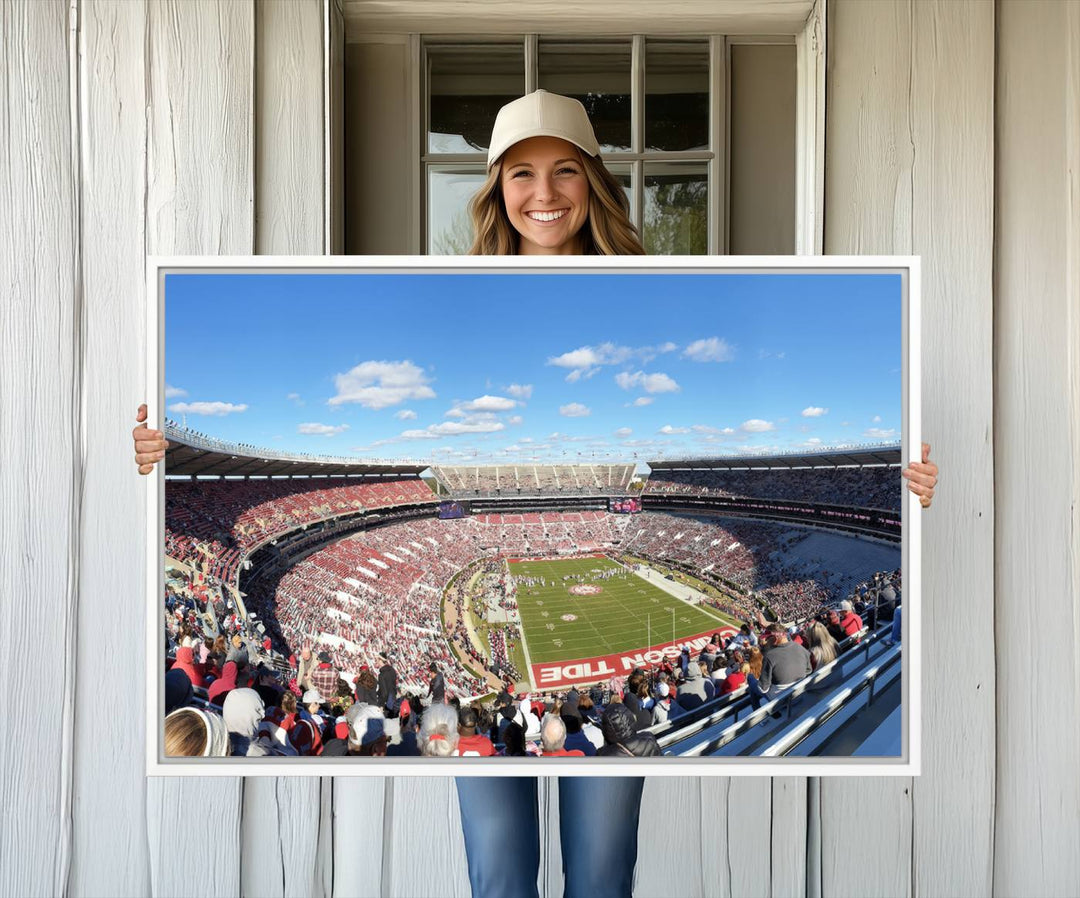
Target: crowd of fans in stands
220,703
385,584
535,480
214,523
864,487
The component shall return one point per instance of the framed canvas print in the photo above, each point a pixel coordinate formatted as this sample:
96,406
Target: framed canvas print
502,516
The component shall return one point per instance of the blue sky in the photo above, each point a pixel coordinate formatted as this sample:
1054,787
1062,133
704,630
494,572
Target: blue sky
482,368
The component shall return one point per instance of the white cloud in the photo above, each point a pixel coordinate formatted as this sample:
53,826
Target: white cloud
814,411
711,349
174,392
574,410
756,425
650,383
728,431
520,391
876,419
878,433
514,419
813,441
217,409
489,404
766,354
623,432
668,430
585,361
454,428
704,428
643,400
379,385
324,430
406,414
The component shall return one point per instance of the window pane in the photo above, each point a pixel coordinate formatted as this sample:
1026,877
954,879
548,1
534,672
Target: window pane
467,84
597,74
624,175
449,191
676,209
676,95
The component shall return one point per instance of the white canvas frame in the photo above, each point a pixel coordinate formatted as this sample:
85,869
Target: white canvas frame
909,764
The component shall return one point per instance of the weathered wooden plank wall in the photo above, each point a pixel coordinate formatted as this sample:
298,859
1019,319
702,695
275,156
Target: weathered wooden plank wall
110,855
286,839
199,196
197,127
1037,448
41,430
909,169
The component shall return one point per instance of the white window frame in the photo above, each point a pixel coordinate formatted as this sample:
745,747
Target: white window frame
809,42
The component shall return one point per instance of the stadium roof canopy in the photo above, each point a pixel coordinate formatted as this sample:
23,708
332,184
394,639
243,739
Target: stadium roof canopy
193,454
832,458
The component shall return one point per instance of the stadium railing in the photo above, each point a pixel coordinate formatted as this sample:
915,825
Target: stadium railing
783,703
717,709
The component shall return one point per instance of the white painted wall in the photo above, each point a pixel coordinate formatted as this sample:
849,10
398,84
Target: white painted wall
134,127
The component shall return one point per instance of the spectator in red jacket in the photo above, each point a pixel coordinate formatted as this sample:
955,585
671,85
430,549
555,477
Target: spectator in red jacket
221,687
850,622
470,743
735,680
185,661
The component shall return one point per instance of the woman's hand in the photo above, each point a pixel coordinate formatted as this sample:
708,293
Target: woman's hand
150,445
922,477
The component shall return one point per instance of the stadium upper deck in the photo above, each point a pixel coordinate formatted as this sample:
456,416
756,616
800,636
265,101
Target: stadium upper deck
493,481
194,454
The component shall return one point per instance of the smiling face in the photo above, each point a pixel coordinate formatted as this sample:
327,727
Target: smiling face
546,195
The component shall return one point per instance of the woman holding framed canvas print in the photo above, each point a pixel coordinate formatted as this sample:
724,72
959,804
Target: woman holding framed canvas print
548,193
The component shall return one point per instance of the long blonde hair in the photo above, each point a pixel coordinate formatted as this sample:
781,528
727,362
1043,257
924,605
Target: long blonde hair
607,232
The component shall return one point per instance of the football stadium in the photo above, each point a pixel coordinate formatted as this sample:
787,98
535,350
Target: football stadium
681,589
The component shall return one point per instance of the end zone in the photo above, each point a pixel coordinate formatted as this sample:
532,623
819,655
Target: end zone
562,674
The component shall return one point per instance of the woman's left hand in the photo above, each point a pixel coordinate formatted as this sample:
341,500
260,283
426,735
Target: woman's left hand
922,477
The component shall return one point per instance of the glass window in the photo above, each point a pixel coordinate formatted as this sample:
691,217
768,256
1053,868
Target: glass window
658,122
467,85
676,95
597,74
676,209
449,190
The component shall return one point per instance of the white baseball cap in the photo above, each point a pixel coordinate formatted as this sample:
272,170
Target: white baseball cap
541,114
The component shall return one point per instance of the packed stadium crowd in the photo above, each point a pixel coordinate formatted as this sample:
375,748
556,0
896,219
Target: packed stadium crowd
535,480
216,522
755,557
864,487
387,582
219,702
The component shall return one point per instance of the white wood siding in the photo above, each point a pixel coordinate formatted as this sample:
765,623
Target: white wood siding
909,149
1037,449
953,132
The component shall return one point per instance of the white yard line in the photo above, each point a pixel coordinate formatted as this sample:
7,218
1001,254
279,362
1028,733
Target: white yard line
672,588
528,660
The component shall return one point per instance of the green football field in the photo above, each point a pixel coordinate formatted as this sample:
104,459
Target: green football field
615,620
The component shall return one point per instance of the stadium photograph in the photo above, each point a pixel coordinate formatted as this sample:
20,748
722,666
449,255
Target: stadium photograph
532,514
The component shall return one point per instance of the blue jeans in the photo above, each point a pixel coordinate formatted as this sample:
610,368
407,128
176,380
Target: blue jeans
598,823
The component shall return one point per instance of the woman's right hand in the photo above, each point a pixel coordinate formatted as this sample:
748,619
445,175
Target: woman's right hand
150,445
